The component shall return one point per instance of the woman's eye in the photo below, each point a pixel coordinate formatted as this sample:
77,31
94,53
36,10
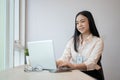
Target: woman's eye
76,23
82,21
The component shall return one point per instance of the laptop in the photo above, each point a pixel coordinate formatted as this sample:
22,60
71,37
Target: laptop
42,55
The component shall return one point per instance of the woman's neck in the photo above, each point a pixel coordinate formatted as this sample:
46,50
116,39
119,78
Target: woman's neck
84,36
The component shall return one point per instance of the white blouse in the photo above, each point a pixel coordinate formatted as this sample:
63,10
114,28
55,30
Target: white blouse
91,50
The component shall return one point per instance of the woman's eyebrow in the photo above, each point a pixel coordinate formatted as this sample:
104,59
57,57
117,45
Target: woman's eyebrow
80,20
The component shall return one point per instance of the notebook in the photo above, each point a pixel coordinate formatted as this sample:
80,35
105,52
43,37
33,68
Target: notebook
42,55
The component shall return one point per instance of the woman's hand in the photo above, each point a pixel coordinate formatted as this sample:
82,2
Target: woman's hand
61,63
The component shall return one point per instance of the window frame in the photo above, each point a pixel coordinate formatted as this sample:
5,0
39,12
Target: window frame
15,31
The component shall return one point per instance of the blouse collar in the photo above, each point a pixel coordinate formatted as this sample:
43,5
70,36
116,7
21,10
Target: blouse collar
89,38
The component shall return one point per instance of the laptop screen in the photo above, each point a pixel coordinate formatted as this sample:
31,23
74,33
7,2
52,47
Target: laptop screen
41,53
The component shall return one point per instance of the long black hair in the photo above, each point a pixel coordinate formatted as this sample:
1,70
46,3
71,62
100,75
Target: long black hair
92,27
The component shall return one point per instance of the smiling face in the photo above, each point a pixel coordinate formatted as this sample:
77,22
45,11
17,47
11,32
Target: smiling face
82,24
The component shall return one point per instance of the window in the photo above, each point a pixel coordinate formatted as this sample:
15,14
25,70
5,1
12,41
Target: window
13,32
2,34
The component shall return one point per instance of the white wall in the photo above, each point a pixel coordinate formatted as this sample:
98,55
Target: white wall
54,19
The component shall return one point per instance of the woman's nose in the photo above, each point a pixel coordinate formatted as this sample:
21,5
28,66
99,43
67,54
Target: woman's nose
79,24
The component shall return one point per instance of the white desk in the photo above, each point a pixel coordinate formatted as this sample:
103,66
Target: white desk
19,74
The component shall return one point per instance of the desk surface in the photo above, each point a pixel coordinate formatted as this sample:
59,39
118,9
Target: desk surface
19,74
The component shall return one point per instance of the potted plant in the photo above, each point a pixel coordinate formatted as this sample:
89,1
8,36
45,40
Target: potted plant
27,61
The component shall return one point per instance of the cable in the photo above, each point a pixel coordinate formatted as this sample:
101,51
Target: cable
38,68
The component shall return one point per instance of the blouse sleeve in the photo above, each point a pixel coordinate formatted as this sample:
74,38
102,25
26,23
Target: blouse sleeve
67,51
91,62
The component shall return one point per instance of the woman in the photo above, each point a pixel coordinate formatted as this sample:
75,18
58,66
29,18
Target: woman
84,49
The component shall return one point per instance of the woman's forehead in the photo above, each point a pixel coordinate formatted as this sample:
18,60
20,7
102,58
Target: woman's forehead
81,17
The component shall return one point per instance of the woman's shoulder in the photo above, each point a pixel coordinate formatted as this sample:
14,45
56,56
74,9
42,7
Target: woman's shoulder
71,40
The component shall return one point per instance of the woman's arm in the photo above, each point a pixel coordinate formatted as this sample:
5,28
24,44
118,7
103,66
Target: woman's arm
97,51
66,54
62,63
